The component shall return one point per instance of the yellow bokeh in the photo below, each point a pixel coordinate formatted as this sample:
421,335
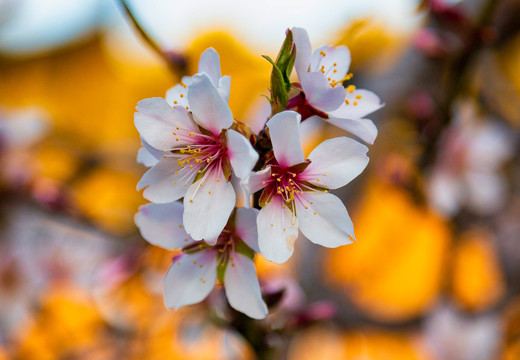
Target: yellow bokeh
66,323
108,197
394,272
372,44
477,278
322,343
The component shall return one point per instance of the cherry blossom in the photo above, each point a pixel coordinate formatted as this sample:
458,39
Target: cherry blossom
321,74
296,191
466,173
200,151
193,274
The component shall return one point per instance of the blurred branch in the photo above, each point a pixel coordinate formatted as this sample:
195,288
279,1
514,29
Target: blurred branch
457,77
175,62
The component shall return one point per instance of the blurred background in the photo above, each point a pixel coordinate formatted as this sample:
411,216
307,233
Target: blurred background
436,270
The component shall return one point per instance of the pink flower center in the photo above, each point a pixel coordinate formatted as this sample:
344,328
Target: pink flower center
205,154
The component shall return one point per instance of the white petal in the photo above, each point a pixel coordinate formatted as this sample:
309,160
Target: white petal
303,50
320,94
224,87
161,225
258,114
243,198
150,155
336,162
339,55
242,288
146,158
325,221
209,109
360,104
364,129
209,63
277,231
245,227
187,282
173,95
207,207
255,182
156,121
164,185
241,153
284,129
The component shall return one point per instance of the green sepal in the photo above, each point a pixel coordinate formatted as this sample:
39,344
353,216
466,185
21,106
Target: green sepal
242,248
280,75
279,96
286,58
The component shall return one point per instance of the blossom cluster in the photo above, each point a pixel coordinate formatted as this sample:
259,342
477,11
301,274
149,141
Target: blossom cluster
199,153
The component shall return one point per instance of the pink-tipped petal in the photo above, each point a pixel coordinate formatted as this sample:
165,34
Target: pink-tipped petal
187,282
336,162
277,231
284,129
241,154
242,288
161,225
209,109
324,220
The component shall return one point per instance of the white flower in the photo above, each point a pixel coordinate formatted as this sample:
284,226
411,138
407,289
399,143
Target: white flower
321,74
466,172
193,275
209,64
296,192
199,153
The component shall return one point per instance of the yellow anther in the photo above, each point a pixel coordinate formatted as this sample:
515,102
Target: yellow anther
318,179
232,265
180,226
335,64
175,101
358,97
355,103
185,239
218,180
182,95
209,192
315,213
334,71
175,183
191,200
194,262
322,53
